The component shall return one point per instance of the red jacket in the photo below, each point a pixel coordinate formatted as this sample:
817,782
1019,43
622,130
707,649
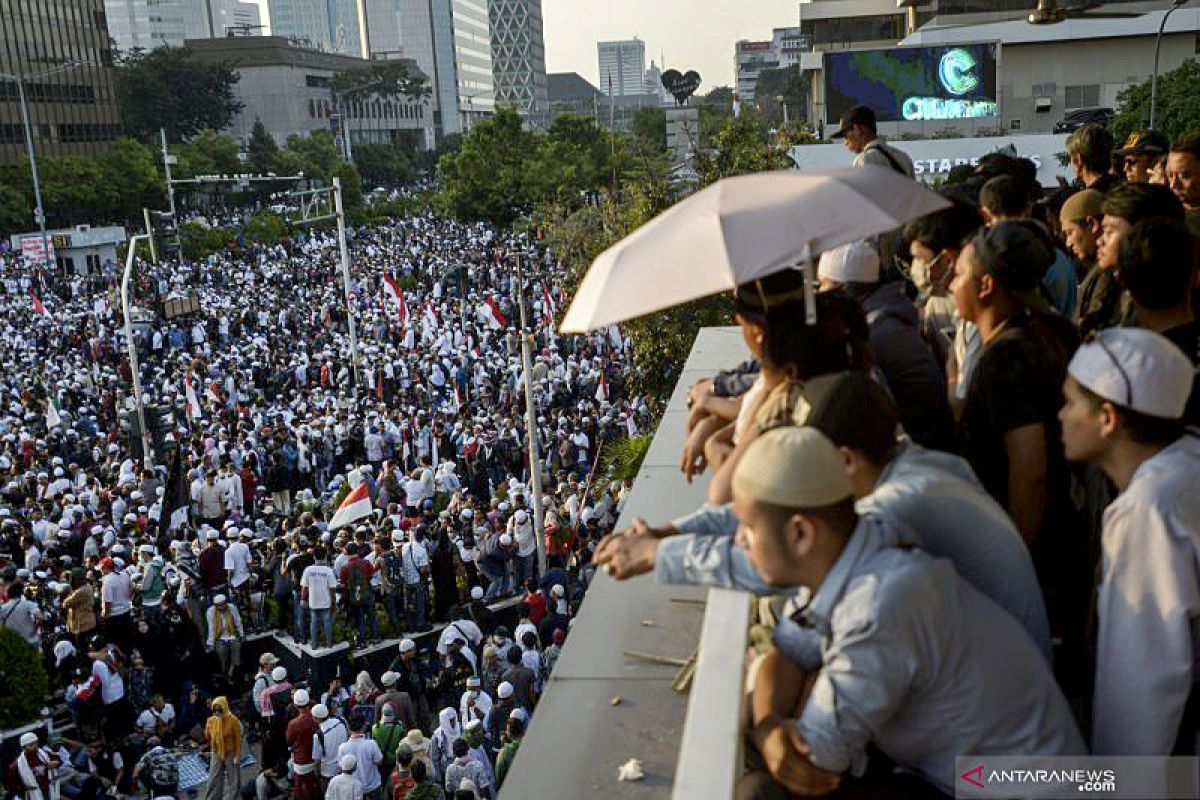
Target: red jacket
300,737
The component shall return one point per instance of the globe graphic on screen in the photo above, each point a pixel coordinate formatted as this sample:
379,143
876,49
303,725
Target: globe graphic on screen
956,70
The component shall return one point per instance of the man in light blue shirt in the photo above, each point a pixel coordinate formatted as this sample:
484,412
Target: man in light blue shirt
927,499
911,658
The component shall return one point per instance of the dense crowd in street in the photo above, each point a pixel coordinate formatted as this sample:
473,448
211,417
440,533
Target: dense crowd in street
295,494
1018,573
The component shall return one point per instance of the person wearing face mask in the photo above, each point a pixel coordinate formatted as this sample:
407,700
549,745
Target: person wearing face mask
475,704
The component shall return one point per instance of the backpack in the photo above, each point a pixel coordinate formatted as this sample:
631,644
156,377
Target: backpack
358,587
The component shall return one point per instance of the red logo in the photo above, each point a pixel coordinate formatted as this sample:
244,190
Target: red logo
974,777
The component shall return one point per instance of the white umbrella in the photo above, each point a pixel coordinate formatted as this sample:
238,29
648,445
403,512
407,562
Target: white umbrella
740,229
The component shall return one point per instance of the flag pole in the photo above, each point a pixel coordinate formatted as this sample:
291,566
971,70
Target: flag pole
531,432
147,451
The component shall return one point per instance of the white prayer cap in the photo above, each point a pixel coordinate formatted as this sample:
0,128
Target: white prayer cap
348,762
793,468
28,739
320,711
504,690
476,592
300,697
851,263
406,645
279,674
1136,369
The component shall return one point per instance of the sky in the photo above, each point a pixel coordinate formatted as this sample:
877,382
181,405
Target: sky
690,34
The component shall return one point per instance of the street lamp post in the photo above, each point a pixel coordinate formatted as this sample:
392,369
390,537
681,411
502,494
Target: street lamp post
345,258
147,450
39,213
531,430
1175,4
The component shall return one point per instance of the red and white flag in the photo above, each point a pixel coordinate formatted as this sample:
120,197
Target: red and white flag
38,308
432,320
496,319
356,506
392,289
547,303
457,399
193,402
213,392
602,390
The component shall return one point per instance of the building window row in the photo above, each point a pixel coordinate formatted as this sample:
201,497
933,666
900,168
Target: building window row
88,132
49,92
377,109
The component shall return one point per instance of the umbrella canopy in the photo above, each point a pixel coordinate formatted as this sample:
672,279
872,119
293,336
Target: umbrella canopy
740,229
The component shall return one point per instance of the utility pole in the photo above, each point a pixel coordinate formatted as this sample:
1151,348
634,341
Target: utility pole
1175,4
147,449
169,159
150,233
531,430
345,251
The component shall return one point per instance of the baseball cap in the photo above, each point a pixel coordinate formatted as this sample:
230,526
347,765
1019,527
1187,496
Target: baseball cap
1136,369
267,658
1017,254
792,467
1146,142
858,115
856,262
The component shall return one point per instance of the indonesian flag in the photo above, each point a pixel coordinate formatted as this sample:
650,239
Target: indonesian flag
356,506
547,303
38,308
392,289
193,402
213,392
496,319
457,399
602,390
53,420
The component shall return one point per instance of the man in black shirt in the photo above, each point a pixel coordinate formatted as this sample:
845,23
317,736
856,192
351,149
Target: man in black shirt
1158,260
295,566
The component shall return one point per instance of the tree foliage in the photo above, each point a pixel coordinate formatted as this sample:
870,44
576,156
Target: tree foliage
262,149
742,145
487,177
23,682
387,165
208,153
1177,110
169,88
774,89
381,79
650,126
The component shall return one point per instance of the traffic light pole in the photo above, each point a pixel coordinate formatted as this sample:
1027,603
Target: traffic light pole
147,449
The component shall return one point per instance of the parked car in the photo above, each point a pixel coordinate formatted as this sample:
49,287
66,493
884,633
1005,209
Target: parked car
1074,120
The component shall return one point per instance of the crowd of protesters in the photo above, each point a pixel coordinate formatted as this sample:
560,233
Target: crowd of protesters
140,584
970,486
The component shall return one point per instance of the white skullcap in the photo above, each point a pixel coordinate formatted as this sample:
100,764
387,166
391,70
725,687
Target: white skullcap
389,678
505,539
557,590
407,645
218,600
476,592
279,674
320,711
300,697
348,762
792,467
504,690
1137,369
851,263
28,738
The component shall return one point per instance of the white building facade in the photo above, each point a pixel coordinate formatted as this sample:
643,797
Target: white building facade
450,40
519,57
622,67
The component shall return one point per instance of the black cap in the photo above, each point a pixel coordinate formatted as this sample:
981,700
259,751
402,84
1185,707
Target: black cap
1017,254
1147,142
859,115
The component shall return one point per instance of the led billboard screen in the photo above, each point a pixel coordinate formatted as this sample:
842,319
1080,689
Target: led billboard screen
914,84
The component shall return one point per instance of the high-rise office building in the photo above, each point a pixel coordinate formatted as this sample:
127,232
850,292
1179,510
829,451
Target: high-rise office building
384,39
247,19
451,42
74,109
148,24
331,25
622,67
519,57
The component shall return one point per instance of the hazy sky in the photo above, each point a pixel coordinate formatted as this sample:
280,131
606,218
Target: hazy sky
691,34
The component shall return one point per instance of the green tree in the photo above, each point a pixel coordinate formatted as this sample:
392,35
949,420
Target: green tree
650,126
131,170
1177,110
209,153
74,190
16,205
383,164
777,88
23,681
352,194
169,88
742,146
264,153
573,157
487,178
315,154
716,108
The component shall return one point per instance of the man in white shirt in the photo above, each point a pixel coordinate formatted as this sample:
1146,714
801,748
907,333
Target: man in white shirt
158,720
116,603
317,585
239,561
332,732
344,785
414,561
366,753
1126,393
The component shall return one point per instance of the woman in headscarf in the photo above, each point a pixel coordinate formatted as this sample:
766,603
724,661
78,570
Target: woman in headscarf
441,744
81,607
362,699
223,738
